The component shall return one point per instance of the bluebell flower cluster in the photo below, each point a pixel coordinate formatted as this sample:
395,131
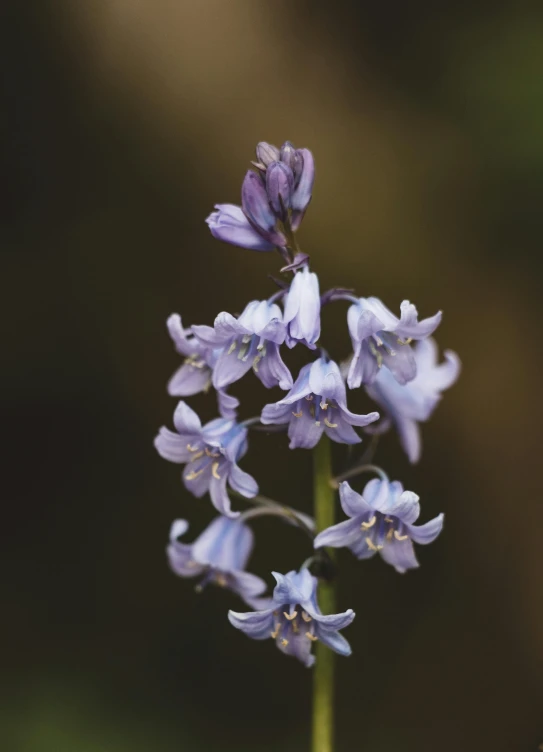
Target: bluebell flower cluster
395,360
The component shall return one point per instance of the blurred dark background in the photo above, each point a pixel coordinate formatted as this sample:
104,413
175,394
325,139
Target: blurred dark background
123,122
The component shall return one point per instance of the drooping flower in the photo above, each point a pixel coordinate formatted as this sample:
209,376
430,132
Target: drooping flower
195,373
295,620
250,341
303,309
407,406
381,339
210,453
219,555
381,520
279,192
317,403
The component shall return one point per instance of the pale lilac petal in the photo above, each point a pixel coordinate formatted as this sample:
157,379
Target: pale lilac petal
426,533
242,482
189,380
379,309
400,555
361,549
300,389
358,420
410,327
341,535
275,414
249,587
186,421
230,225
303,432
228,404
409,434
294,587
208,336
298,646
334,641
402,364
219,495
256,624
332,621
271,370
171,446
304,189
199,485
181,561
183,339
405,505
340,430
352,503
364,368
225,544
229,368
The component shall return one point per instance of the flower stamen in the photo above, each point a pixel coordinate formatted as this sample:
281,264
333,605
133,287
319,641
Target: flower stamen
291,616
327,422
400,537
306,617
371,523
214,472
311,637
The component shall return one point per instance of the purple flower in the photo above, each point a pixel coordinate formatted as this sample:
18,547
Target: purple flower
408,405
279,191
317,402
194,375
294,619
219,555
303,309
230,225
210,453
250,341
381,520
381,339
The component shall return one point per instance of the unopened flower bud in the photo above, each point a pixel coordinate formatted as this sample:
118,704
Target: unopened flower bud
266,153
279,186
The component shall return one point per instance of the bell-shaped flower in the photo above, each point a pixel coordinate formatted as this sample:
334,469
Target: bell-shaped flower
219,556
380,339
294,619
230,225
381,520
317,403
195,373
407,406
303,309
250,341
210,454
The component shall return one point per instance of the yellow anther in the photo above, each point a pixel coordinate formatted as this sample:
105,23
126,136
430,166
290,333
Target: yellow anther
295,627
404,341
212,454
390,534
371,523
298,415
260,346
306,617
275,634
330,425
246,338
284,642
378,340
372,546
311,637
256,361
214,472
324,405
192,475
232,347
191,448
197,456
389,519
309,397
400,537
317,422
221,580
291,616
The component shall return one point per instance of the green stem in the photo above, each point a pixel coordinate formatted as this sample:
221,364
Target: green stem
323,678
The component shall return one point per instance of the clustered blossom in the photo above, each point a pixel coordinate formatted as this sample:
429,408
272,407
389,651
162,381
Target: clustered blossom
219,556
294,619
394,359
381,521
317,404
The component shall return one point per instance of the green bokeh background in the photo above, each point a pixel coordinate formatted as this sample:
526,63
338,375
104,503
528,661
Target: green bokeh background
123,122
